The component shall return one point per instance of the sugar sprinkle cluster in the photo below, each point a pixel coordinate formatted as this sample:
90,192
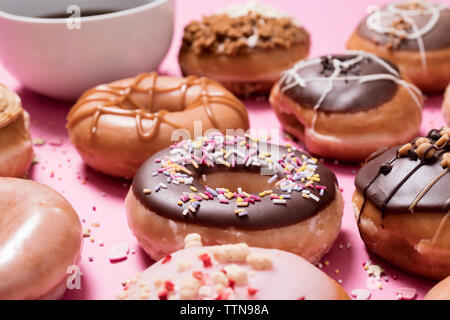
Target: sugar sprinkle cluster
289,173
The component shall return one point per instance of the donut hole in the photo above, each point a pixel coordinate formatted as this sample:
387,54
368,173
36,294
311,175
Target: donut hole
251,182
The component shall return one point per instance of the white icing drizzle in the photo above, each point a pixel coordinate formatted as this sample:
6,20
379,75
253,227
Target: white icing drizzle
291,77
243,9
380,21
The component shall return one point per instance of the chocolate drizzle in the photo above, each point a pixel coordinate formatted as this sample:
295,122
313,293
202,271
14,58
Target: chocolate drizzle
263,214
418,180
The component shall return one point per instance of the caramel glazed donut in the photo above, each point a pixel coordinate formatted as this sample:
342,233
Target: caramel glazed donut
402,205
116,127
446,105
245,47
218,187
229,272
347,106
40,238
414,35
16,150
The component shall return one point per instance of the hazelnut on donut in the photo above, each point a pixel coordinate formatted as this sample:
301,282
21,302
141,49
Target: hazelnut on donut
440,291
402,205
245,47
446,105
40,241
231,272
16,150
116,127
233,189
347,106
413,34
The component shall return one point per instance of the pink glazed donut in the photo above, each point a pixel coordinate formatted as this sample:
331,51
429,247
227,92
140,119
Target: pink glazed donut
232,271
41,236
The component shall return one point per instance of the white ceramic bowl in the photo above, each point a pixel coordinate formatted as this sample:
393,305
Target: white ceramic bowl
63,57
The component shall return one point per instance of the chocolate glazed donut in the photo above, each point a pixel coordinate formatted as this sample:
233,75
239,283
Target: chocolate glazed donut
414,35
404,194
226,199
116,127
346,106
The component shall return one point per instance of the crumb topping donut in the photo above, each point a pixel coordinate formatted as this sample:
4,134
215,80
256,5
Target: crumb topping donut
414,35
345,106
244,46
230,272
446,105
41,237
231,188
117,126
16,151
402,204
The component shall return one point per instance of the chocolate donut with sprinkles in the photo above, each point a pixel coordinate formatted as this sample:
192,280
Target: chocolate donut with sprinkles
233,189
414,35
346,106
402,204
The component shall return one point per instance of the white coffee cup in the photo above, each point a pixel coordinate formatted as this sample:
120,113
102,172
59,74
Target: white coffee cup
62,57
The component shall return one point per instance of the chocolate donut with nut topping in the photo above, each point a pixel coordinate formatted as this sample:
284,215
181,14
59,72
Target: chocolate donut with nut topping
402,204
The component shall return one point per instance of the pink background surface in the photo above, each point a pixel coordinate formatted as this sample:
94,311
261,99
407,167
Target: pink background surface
99,198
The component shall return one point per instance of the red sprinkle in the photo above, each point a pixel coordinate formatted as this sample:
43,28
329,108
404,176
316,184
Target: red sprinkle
169,285
162,295
301,298
198,275
252,291
231,283
206,260
166,259
223,296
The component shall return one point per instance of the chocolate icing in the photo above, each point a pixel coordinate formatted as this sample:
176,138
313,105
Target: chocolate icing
437,38
394,190
346,96
262,215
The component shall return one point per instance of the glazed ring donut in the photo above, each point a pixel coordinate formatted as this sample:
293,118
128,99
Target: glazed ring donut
235,189
16,150
245,47
414,35
446,105
231,272
116,127
402,205
41,237
441,291
347,106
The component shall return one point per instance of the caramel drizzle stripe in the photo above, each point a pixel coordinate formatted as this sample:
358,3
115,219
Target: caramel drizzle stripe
426,189
440,229
116,105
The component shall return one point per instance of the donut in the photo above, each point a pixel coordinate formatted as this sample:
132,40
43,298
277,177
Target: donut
347,106
245,47
402,205
231,272
414,35
16,149
446,105
41,238
440,291
234,189
117,126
